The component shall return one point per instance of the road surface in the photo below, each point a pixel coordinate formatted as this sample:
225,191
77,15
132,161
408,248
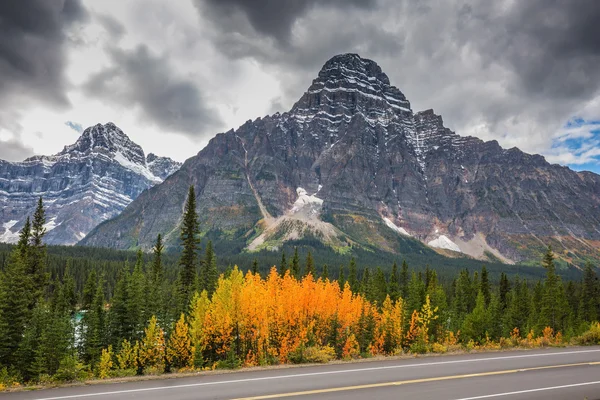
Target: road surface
572,373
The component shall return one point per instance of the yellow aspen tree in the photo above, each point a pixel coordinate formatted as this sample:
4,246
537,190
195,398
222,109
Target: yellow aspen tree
179,346
127,356
152,348
106,363
199,308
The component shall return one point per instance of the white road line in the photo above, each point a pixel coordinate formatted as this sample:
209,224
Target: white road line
345,371
487,396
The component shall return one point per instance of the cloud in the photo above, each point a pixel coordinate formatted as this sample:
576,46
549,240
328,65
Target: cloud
114,28
32,49
75,126
273,18
514,71
14,150
139,78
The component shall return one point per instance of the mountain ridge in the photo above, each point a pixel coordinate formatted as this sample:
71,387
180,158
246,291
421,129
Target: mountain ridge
82,185
388,178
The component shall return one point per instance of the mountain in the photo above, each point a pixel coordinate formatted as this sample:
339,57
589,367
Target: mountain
83,185
352,165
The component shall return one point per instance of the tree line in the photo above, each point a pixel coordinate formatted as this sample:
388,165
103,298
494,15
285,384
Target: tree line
150,320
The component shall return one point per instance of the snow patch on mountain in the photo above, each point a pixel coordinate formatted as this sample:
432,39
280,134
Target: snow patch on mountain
396,228
443,242
8,236
51,224
306,203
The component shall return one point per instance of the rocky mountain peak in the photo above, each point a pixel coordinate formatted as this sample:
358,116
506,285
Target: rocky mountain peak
107,138
347,86
353,66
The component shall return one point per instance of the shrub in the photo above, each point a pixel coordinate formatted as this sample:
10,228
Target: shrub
439,348
70,370
589,337
312,354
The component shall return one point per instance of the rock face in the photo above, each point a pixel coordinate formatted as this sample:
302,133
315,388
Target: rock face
384,178
86,183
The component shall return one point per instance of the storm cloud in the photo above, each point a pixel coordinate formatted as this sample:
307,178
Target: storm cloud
139,78
32,48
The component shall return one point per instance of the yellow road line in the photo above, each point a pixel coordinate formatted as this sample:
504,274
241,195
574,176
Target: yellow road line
407,382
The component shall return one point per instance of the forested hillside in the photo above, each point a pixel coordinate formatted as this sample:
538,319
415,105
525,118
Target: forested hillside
75,313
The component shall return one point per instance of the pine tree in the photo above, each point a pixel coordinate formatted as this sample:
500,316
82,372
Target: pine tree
553,310
94,327
255,266
295,267
404,278
310,265
589,302
325,273
283,267
517,311
190,228
56,341
68,291
485,286
14,300
208,274
157,287
36,267
27,356
120,321
416,293
157,269
366,287
477,323
89,290
352,277
380,287
136,301
394,283
504,289
341,277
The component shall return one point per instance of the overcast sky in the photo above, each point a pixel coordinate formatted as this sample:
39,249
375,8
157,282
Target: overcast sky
174,73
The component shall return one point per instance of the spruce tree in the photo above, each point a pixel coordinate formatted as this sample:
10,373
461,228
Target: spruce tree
504,289
36,267
589,301
325,273
89,290
208,273
283,267
157,269
310,265
352,277
255,266
295,267
517,311
366,287
136,301
14,300
404,278
485,286
120,323
341,277
94,327
157,287
553,311
394,283
190,228
380,287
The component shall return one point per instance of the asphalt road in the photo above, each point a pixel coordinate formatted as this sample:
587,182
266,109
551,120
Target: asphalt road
572,373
